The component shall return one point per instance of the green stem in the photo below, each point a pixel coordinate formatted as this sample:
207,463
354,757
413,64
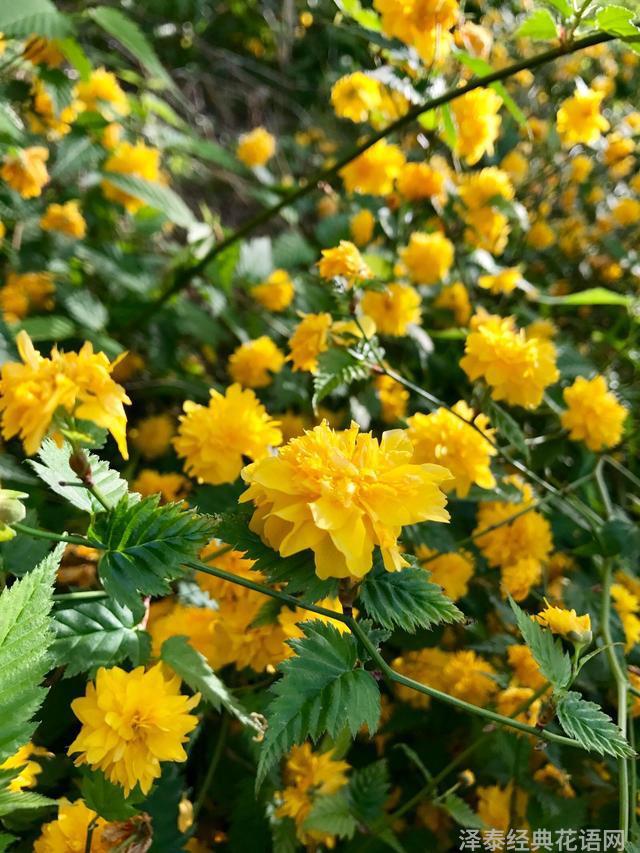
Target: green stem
36,533
90,831
81,595
213,765
95,491
604,491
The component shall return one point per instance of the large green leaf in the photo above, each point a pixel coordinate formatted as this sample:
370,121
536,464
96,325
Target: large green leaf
14,801
554,662
321,690
157,196
332,814
28,17
25,636
540,26
591,296
336,367
587,723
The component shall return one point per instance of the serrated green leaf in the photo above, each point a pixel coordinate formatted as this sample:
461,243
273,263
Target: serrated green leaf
54,327
406,599
554,662
14,801
320,691
507,427
332,814
75,155
25,636
292,249
563,6
336,367
6,841
461,812
87,309
29,17
106,798
97,633
587,723
616,20
145,546
12,470
540,26
157,196
193,668
368,790
53,467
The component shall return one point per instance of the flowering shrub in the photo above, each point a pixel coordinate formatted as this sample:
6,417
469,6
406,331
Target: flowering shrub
319,351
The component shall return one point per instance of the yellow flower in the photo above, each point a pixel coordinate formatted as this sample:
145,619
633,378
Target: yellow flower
22,760
308,775
375,170
581,168
444,438
420,180
626,212
340,494
152,436
101,93
68,833
355,96
214,438
462,674
509,702
393,309
65,218
451,571
579,119
478,189
111,136
515,165
627,607
428,257
256,147
516,369
361,227
25,171
25,292
393,399
137,160
455,298
594,415
560,779
567,623
517,578
345,261
310,338
276,293
505,281
618,155
527,672
487,229
477,119
541,235
42,51
180,620
500,808
171,486
131,721
80,383
45,118
253,362
424,24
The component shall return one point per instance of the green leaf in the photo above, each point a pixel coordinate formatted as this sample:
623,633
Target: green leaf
221,270
461,812
616,20
591,296
29,17
620,537
54,327
6,841
507,427
368,791
53,467
540,26
406,599
292,249
131,37
157,196
25,636
320,691
105,798
563,6
145,546
367,18
11,469
76,56
75,155
97,633
87,309
590,726
332,814
13,801
193,668
336,367
554,662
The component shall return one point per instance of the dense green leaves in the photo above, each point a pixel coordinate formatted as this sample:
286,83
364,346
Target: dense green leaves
589,725
554,662
321,690
336,367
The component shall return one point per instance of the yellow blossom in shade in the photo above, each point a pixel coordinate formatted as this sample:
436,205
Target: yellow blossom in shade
423,24
28,769
101,93
566,623
276,293
517,578
593,414
256,148
213,439
428,257
80,383
477,119
579,119
451,571
43,51
25,171
444,438
111,136
171,486
65,218
138,160
559,779
45,118
361,226
500,808
355,96
293,424
420,180
289,620
627,607
541,235
25,292
581,167
487,229
455,298
393,397
510,702
515,165
626,212
68,833
375,170
341,493
310,338
345,261
618,155
393,309
152,436
123,733
308,775
194,623
504,281
253,362
543,329
526,670
462,674
478,189
516,369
